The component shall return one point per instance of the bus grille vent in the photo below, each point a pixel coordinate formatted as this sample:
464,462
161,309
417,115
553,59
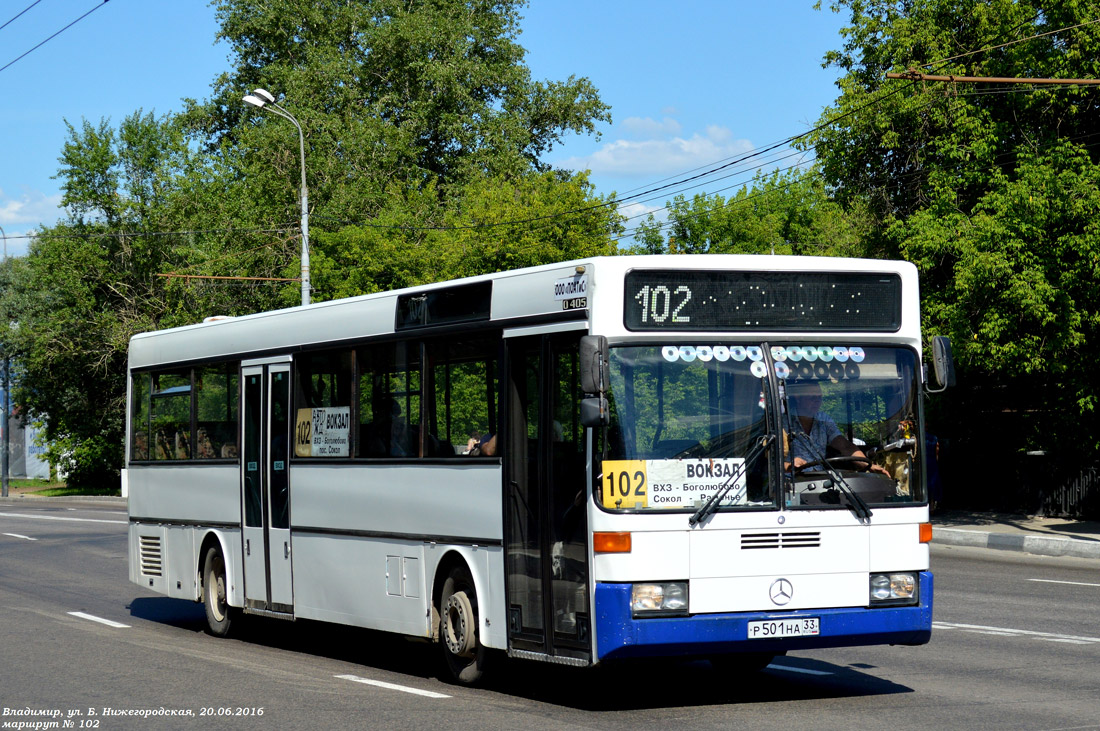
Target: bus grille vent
152,560
803,539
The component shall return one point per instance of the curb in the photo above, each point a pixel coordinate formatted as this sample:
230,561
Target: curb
1039,545
107,499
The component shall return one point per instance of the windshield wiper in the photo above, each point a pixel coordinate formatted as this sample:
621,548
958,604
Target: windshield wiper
712,504
855,502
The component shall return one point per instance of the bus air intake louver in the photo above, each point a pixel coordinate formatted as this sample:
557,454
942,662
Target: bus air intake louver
803,539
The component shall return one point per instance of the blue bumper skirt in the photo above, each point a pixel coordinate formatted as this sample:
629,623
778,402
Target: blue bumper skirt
619,635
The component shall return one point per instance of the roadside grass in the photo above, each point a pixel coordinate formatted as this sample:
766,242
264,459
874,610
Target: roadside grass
54,488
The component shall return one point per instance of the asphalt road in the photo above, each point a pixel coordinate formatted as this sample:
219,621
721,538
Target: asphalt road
1016,646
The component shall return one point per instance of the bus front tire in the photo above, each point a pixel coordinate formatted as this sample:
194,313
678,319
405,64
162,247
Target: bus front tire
219,614
463,653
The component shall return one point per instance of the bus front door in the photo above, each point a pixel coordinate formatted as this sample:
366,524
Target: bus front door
265,488
546,500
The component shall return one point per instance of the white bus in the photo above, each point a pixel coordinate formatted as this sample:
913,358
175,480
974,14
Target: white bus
617,457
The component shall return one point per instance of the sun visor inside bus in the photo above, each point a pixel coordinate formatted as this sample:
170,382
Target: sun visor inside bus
466,303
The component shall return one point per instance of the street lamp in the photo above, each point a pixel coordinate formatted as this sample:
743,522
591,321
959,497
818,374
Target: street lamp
5,405
263,99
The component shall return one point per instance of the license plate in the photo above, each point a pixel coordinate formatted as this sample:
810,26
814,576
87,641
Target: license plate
768,628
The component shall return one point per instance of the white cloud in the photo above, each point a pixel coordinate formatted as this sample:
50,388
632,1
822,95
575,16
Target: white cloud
636,213
20,216
649,129
662,151
31,208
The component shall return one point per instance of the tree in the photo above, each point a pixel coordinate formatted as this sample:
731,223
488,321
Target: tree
424,135
788,212
992,193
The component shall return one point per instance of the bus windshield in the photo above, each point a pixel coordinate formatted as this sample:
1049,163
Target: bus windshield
684,420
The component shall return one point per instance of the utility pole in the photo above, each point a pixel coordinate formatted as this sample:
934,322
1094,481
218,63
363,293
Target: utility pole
4,458
913,75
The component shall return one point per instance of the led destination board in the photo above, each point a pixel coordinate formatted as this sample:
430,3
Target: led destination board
658,300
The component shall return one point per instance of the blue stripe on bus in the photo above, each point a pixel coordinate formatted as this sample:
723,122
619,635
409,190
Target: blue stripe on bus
618,635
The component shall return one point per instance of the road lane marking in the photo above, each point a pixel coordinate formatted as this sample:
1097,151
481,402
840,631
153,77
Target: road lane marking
56,517
392,686
17,535
804,671
101,620
1050,636
1071,583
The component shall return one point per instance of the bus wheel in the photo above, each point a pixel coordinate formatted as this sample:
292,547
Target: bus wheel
218,612
458,622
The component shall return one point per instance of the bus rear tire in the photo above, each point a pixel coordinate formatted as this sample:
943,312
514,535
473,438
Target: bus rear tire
219,615
463,653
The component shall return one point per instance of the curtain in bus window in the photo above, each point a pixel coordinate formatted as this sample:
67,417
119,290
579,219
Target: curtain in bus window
462,386
216,407
170,414
323,398
389,400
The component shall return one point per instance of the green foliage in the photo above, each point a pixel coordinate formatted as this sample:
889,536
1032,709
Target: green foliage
992,192
423,134
785,212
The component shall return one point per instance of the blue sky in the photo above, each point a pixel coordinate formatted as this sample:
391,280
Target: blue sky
689,83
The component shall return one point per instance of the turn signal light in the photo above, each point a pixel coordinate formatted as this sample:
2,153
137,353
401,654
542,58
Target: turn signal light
611,542
925,532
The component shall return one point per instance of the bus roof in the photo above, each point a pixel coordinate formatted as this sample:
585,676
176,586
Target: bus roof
533,294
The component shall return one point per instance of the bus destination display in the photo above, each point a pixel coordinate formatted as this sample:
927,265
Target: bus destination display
656,299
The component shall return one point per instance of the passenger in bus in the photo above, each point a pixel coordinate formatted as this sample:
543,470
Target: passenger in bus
141,446
388,434
483,446
204,446
814,432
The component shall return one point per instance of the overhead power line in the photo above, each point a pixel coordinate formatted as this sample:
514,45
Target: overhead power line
55,35
16,17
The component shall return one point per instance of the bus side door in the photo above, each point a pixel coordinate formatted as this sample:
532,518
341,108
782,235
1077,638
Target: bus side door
265,488
546,522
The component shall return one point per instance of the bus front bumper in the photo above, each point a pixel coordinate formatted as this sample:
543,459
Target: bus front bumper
619,635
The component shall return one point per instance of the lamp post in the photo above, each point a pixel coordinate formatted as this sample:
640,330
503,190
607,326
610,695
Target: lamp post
263,99
5,457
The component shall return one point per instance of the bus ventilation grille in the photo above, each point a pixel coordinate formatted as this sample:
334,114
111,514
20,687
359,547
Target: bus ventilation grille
803,539
152,561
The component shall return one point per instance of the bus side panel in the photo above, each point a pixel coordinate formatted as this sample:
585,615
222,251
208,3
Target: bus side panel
439,502
368,539
365,582
206,494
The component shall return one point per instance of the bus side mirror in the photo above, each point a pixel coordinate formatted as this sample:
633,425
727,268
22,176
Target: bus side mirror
594,412
943,366
595,373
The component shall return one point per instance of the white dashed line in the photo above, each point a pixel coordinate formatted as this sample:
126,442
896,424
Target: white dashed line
101,620
804,671
1071,583
392,686
1022,633
56,517
17,535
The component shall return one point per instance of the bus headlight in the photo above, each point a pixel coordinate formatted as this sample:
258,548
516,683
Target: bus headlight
897,588
668,597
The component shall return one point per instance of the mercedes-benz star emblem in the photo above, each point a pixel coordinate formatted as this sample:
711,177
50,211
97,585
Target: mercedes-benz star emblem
781,592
